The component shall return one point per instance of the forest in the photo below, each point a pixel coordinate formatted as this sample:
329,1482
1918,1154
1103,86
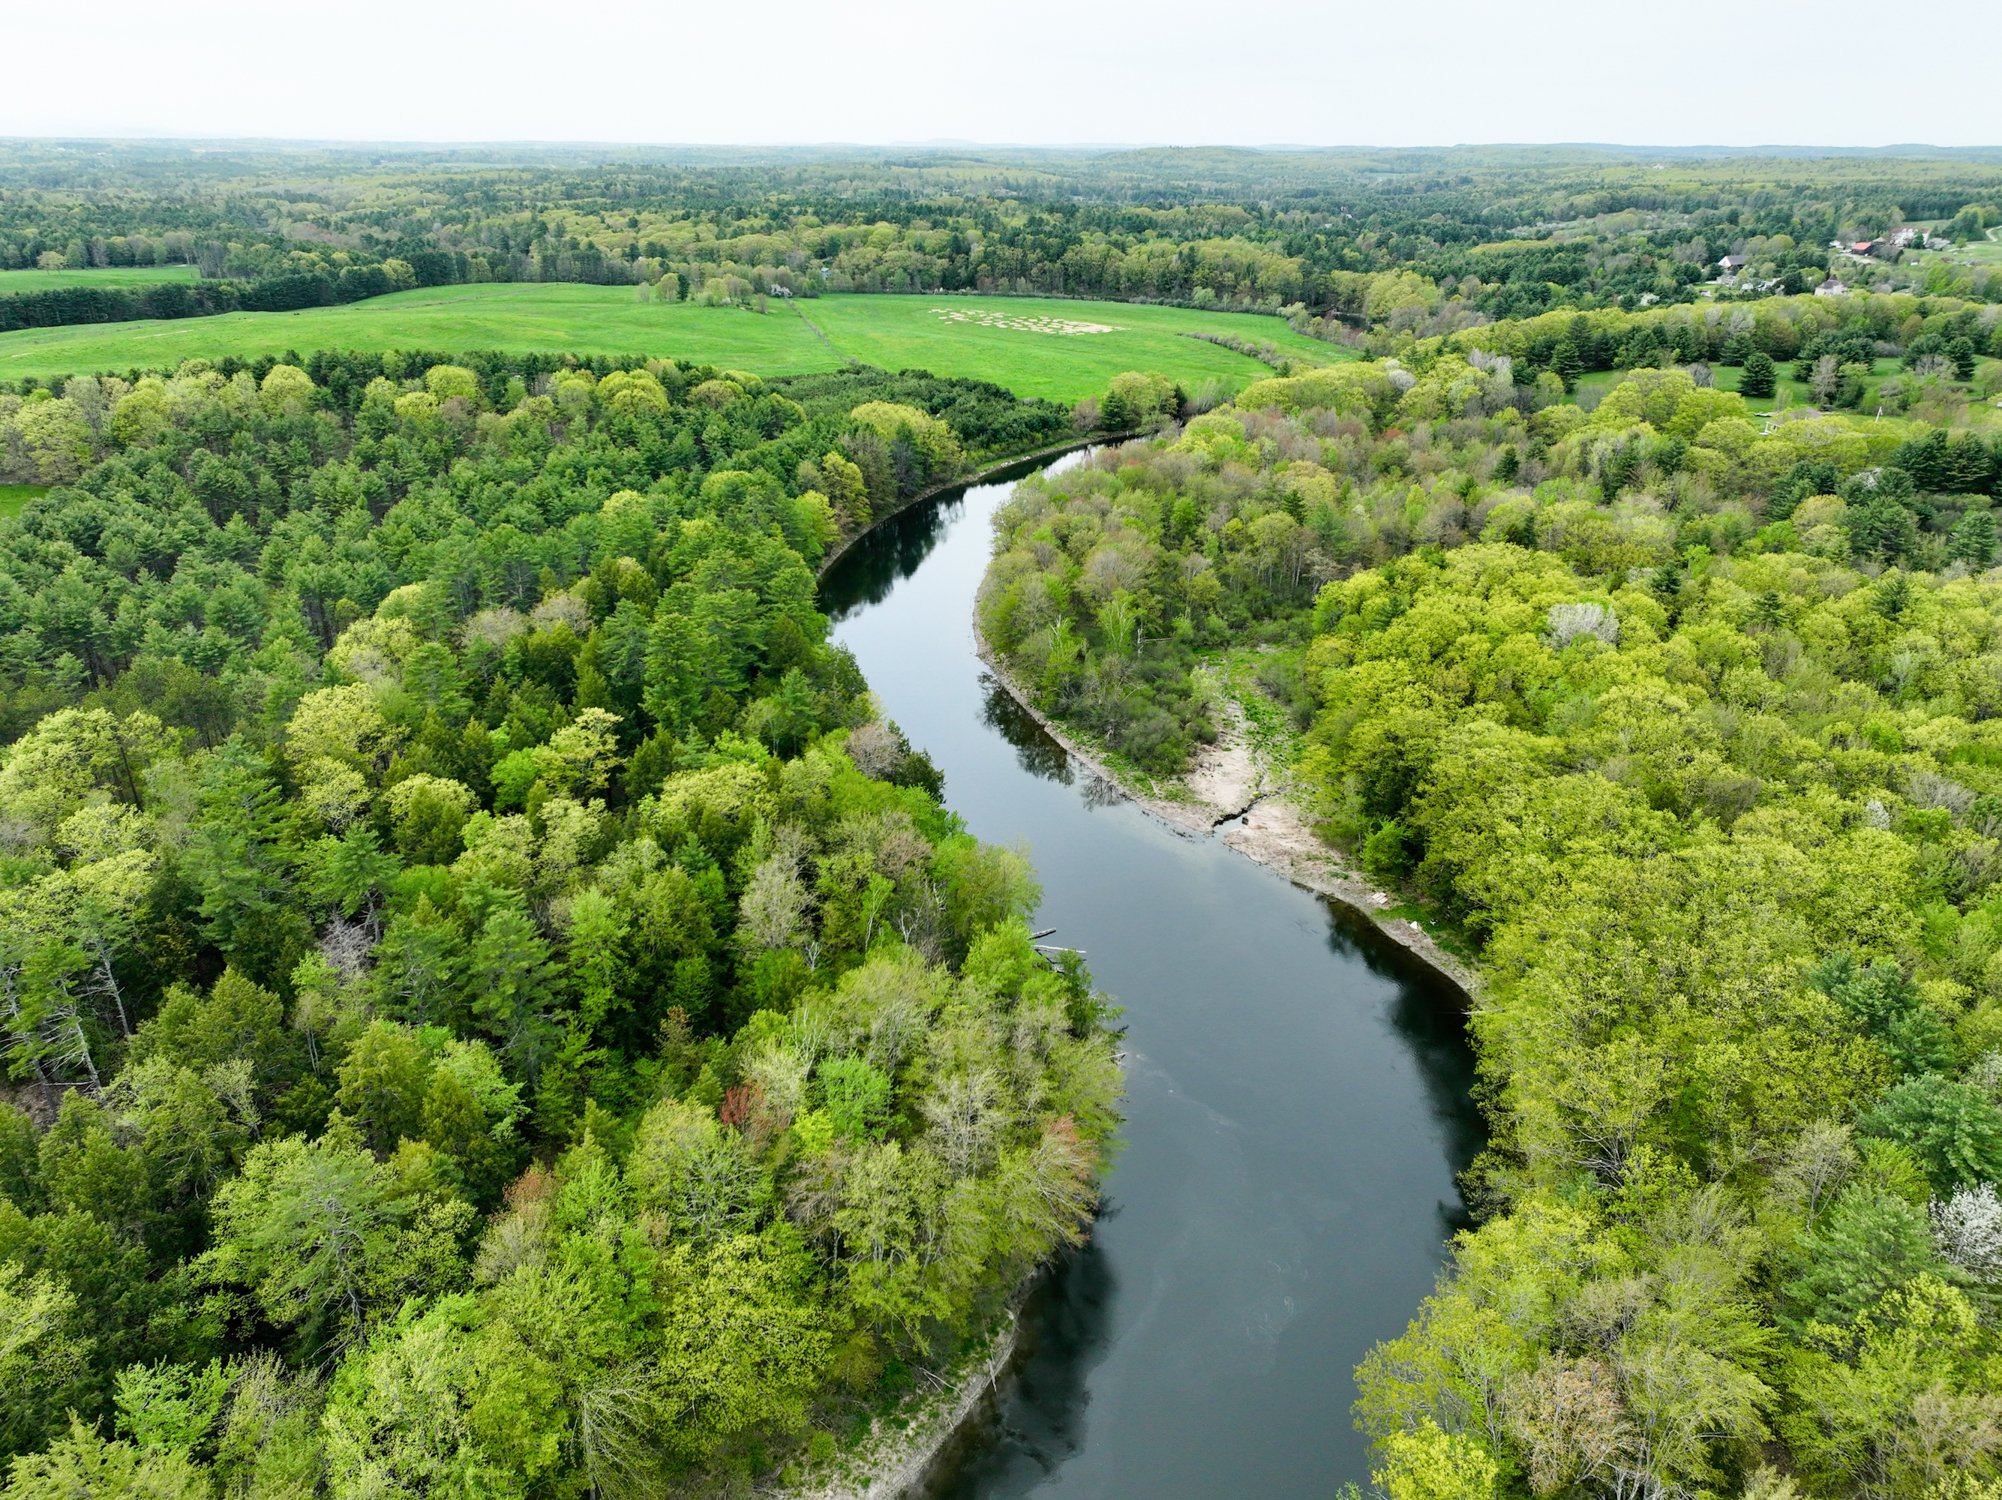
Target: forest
494,1006
1434,239
495,1009
1686,731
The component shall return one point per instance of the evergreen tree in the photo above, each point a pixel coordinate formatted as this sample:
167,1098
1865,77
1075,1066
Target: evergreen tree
1760,377
1973,540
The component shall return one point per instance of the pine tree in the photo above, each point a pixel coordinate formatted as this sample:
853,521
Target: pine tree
1760,378
1568,364
1973,540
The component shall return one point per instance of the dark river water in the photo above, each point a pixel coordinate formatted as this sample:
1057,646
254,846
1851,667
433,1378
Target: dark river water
1296,1097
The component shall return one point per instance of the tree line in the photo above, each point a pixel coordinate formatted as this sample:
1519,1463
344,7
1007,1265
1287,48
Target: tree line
1478,235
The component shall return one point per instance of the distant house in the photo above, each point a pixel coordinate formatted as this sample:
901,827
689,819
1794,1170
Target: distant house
1831,288
1862,247
1907,236
1731,263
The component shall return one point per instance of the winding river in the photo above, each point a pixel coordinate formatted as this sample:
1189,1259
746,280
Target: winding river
1297,1097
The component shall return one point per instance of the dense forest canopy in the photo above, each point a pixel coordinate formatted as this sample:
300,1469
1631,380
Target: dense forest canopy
1687,729
493,1007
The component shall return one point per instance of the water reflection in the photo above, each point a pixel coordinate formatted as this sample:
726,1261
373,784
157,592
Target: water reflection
1097,792
1035,751
1296,1109
890,554
1040,1420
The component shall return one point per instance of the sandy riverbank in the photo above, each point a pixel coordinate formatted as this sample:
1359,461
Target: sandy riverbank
1234,794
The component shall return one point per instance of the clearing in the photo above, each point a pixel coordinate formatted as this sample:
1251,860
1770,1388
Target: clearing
14,283
1007,340
14,496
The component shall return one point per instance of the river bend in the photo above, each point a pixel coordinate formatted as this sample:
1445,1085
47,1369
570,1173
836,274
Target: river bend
1297,1097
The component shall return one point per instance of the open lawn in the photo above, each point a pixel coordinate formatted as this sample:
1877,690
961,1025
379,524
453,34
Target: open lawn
1986,252
1787,391
1058,349
14,496
14,282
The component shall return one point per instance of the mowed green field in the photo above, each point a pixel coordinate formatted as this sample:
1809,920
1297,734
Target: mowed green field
1003,339
14,496
14,282
1986,252
1787,392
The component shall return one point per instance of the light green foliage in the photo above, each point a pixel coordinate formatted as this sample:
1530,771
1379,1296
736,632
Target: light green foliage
43,1351
1714,803
855,1095
428,814
171,1408
695,1173
85,1466
302,1228
1428,1464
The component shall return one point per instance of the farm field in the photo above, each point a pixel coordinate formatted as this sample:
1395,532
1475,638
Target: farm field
1062,350
1014,340
1986,252
14,283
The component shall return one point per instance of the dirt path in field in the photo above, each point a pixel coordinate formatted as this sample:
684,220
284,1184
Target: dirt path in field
815,327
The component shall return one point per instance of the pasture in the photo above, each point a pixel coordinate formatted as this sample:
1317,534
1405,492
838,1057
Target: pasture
13,283
1022,343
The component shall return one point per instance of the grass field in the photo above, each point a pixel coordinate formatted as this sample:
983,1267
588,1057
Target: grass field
13,282
1787,391
1986,252
14,496
994,338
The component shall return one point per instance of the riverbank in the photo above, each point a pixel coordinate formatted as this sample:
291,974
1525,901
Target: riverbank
1204,1342
902,1453
987,475
1234,794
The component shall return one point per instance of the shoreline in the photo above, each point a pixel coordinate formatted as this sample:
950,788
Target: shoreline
893,1463
983,475
1230,786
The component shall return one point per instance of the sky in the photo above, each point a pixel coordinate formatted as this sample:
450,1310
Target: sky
1035,72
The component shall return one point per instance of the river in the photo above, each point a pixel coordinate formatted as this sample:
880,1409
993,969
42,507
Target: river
1297,1097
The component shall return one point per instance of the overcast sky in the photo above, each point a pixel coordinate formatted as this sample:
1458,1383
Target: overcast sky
1320,72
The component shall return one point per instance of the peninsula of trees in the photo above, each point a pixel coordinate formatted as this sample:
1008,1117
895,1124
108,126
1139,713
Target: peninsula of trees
1686,727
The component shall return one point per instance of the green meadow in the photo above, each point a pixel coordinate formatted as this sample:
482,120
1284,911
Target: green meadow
14,282
1787,392
1062,350
14,496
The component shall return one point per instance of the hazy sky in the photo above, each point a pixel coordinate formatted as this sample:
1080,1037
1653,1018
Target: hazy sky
1326,72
